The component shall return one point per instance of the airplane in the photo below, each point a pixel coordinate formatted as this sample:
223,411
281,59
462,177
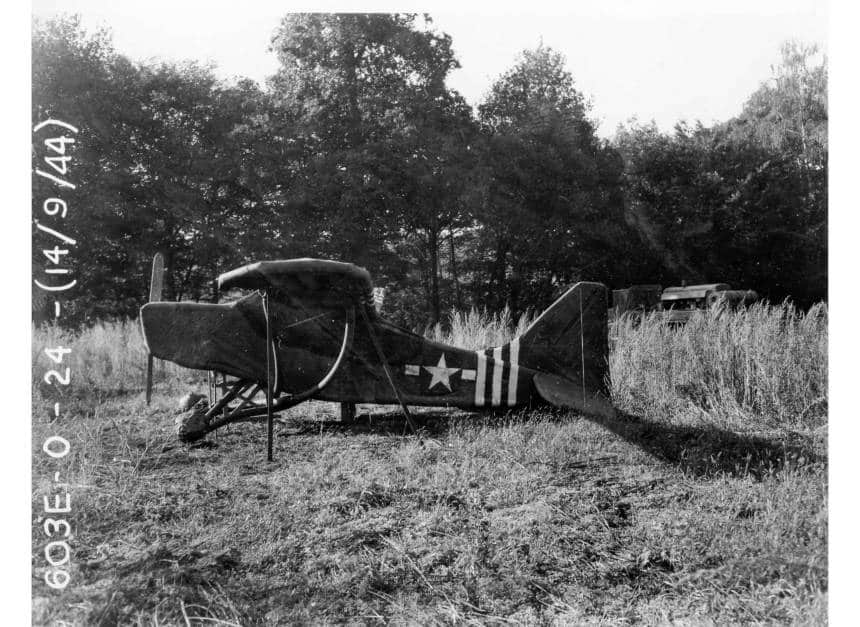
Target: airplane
308,329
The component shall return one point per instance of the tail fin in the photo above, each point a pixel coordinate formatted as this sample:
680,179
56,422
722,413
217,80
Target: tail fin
568,346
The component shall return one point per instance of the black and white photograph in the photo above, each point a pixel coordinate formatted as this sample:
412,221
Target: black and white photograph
429,315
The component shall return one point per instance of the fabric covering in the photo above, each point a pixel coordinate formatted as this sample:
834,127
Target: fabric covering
205,336
313,281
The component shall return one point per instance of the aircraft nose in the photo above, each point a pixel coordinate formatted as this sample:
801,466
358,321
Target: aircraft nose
204,336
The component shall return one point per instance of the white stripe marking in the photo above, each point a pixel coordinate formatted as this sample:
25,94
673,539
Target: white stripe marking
515,371
481,377
498,366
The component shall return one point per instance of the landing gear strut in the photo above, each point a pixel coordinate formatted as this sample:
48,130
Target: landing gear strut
347,413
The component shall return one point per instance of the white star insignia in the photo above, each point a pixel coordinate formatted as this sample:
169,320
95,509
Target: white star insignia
441,373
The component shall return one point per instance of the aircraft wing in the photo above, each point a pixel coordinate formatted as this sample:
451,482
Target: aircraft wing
313,282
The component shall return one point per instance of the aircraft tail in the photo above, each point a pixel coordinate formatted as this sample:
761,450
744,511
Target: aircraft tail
568,346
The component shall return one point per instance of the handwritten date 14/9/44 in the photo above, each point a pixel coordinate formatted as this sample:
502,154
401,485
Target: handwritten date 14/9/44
57,167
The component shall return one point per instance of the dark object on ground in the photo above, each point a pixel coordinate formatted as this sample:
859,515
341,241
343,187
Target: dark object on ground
192,421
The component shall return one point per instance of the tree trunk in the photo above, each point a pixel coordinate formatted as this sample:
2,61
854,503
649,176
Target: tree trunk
180,289
433,240
169,277
499,273
353,115
457,297
514,297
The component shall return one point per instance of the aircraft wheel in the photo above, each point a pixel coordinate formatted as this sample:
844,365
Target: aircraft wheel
193,425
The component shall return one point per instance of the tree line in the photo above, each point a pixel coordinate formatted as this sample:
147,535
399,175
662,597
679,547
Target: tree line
357,150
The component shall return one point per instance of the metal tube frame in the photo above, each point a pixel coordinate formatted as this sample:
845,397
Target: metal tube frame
242,413
269,418
378,347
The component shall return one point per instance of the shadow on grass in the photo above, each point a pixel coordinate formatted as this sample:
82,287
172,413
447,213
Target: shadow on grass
702,451
427,424
707,450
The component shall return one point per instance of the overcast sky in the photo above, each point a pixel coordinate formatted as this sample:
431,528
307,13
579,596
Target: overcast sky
666,60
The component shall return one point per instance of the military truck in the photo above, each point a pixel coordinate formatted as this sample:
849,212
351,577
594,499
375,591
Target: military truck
679,303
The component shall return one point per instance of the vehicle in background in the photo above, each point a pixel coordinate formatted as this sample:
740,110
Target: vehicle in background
679,303
733,299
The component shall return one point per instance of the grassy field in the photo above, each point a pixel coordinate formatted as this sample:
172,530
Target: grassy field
703,502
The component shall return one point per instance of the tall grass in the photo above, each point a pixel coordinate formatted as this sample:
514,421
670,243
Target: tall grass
476,329
766,363
108,356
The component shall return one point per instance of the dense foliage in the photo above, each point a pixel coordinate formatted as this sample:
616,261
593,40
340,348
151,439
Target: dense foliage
357,150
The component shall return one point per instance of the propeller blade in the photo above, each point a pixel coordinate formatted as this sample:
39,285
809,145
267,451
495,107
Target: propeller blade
156,286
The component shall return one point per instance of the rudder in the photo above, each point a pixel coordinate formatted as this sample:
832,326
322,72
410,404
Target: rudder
569,347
